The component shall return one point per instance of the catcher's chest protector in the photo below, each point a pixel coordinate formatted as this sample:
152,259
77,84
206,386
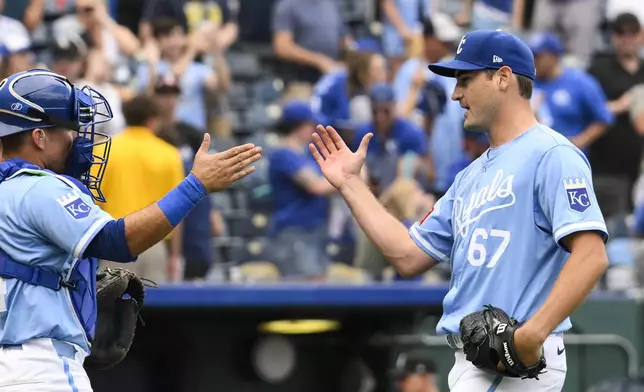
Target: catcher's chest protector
81,285
83,294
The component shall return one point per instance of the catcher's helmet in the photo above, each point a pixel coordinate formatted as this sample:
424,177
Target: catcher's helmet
43,99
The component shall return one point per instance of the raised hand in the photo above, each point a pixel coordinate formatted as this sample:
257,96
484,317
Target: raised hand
218,171
338,163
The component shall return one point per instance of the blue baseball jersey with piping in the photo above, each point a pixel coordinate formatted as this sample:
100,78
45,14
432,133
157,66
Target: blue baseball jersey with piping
501,225
47,222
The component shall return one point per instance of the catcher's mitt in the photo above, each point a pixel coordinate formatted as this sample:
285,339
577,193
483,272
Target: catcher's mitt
488,337
117,316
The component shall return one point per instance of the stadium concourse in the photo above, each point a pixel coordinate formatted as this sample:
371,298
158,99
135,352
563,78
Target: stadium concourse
271,285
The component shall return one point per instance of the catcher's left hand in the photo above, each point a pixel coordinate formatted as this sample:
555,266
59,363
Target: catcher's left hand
488,342
117,316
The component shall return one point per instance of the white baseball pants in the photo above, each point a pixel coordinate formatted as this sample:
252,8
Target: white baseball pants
465,377
42,365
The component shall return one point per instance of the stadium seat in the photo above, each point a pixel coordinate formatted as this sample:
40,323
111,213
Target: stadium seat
260,199
238,96
237,122
388,274
341,252
237,225
223,202
342,273
244,66
259,118
260,271
432,277
248,225
267,90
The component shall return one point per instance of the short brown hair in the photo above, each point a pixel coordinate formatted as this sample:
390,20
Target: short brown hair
163,27
12,143
526,85
140,109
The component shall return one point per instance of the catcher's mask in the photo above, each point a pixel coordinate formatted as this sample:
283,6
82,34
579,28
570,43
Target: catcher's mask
43,99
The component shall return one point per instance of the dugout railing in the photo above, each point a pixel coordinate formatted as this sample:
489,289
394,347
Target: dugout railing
590,340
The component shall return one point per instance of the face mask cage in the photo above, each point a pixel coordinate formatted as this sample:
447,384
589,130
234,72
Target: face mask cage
92,148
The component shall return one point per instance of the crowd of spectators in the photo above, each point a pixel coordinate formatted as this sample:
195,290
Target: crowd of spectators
268,71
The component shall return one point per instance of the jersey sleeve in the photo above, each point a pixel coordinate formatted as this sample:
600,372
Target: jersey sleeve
564,191
281,18
434,233
63,215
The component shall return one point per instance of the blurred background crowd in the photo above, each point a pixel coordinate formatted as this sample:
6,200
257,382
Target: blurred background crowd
268,71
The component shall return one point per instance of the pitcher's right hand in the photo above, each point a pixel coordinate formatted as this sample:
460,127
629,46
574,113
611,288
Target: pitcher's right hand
337,162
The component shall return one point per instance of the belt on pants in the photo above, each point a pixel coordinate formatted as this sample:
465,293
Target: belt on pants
454,342
63,349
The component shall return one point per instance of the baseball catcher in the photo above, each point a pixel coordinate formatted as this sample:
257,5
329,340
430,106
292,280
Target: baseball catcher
52,314
120,295
488,341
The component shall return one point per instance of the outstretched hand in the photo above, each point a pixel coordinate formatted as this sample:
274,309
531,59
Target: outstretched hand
337,162
218,171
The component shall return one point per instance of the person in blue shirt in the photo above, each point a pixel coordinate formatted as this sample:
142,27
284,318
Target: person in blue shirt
520,228
399,147
422,97
401,20
53,233
566,99
177,54
300,198
334,93
442,123
197,245
492,14
474,145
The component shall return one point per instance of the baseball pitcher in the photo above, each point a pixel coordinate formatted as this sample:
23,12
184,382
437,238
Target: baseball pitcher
520,226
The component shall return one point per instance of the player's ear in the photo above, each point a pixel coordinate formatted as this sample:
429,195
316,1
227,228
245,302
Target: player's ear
39,138
504,77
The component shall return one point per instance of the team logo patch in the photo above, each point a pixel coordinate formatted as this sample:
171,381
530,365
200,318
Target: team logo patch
577,194
74,205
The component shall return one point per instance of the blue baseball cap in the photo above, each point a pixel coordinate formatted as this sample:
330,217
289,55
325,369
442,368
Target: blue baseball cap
546,43
433,99
489,49
382,93
296,111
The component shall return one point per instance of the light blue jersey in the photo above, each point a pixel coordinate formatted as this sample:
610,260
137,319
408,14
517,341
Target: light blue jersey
501,223
46,222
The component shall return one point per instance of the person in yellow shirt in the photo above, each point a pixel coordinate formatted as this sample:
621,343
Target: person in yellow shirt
141,170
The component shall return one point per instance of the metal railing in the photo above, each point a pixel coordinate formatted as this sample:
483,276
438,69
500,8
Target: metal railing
608,340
